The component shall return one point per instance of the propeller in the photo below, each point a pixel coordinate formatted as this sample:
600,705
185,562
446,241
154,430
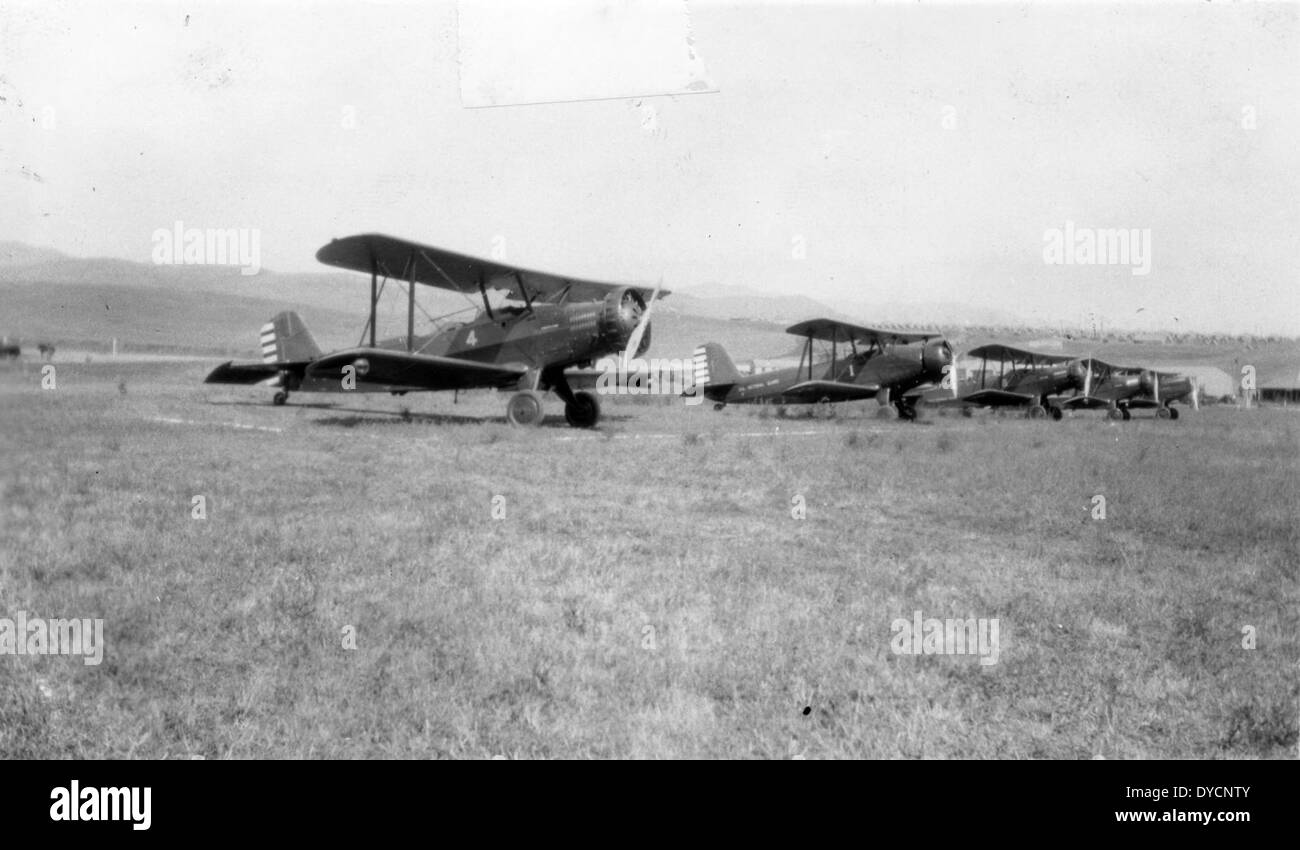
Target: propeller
634,341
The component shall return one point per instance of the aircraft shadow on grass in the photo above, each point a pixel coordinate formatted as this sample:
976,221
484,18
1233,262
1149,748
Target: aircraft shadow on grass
369,416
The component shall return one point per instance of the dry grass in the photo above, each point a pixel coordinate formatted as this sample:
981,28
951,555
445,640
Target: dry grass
647,592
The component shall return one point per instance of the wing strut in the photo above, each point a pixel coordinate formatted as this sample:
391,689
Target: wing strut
528,299
483,291
410,303
374,295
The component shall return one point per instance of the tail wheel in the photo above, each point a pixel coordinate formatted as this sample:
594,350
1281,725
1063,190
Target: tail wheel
583,411
279,398
1037,411
524,408
1056,412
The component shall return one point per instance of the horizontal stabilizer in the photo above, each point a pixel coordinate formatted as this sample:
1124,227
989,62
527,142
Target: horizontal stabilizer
252,373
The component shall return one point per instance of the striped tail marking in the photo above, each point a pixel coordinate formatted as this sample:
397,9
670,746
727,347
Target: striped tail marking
270,350
701,366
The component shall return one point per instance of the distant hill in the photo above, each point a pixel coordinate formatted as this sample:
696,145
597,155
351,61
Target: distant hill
92,314
20,254
45,295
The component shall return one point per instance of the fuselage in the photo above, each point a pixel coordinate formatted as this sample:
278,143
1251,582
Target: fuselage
899,367
541,338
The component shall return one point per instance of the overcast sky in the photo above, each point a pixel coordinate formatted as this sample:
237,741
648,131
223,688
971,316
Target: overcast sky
871,153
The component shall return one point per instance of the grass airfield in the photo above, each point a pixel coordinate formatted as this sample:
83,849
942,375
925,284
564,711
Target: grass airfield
639,591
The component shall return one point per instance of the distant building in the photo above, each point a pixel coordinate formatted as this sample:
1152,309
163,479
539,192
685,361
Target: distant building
1213,382
1280,395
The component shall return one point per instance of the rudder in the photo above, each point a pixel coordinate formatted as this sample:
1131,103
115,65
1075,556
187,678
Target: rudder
285,339
713,367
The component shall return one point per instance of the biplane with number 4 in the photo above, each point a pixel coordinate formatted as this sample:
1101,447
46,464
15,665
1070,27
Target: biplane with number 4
544,324
863,363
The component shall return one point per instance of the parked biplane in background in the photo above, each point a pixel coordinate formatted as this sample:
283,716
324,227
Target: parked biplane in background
1161,389
1106,387
546,324
863,363
1040,382
1030,383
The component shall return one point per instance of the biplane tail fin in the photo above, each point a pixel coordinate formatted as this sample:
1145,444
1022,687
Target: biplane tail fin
285,339
713,367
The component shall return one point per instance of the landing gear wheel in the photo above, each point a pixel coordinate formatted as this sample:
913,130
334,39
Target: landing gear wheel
1056,412
780,411
524,408
1037,411
907,412
825,410
718,405
279,398
1164,413
583,411
967,412
1116,413
1173,414
1126,415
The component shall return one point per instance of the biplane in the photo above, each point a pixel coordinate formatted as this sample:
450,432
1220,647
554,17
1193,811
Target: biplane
544,324
1107,387
1161,389
863,363
1030,382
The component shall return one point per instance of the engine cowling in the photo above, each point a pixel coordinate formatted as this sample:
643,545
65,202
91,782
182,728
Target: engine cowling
935,355
621,313
1077,370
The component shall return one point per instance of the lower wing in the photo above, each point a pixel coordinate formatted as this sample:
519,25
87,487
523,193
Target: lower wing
813,391
1084,402
998,398
382,369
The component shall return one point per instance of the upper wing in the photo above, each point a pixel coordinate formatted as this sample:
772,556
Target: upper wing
405,260
384,369
1006,352
831,390
833,331
1101,366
